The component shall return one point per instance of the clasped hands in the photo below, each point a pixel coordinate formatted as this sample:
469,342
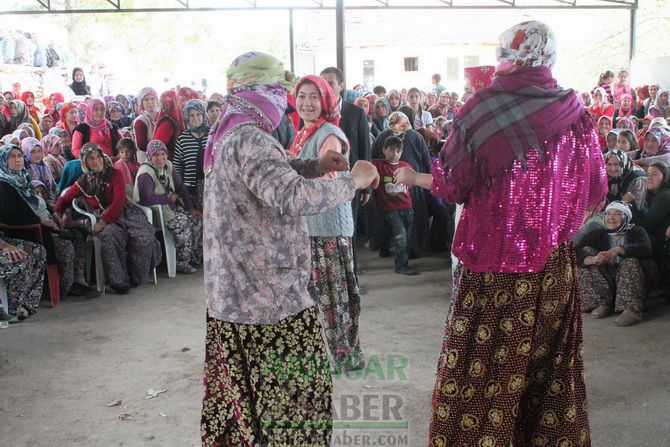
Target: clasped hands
604,257
364,173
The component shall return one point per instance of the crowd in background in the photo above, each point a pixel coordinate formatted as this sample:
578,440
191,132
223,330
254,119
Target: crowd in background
27,48
111,153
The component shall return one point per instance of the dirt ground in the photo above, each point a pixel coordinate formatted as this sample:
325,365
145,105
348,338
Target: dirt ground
60,369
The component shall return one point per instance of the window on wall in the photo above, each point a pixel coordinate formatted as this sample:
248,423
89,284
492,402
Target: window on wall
453,69
411,64
368,72
471,61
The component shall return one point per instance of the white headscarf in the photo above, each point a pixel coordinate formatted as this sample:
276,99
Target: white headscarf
529,44
627,217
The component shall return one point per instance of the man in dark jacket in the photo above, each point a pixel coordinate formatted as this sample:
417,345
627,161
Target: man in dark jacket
354,124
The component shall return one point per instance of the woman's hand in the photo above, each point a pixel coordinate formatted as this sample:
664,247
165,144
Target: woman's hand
365,175
195,213
172,198
667,233
406,176
616,251
290,155
628,197
99,226
15,254
590,260
50,224
332,161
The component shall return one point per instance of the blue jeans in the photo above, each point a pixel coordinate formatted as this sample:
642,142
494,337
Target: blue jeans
400,222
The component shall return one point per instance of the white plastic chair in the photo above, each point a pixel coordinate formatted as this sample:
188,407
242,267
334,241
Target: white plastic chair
93,248
168,241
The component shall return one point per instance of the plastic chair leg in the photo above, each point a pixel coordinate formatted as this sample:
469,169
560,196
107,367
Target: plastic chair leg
170,254
54,284
99,270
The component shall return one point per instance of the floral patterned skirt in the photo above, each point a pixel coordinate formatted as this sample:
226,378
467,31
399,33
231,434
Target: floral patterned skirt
334,287
266,385
513,367
23,279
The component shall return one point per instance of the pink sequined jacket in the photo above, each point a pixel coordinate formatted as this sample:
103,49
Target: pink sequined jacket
257,255
513,225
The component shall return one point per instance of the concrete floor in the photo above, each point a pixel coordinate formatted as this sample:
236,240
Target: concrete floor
59,369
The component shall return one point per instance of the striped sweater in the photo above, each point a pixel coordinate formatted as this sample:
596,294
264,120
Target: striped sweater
188,158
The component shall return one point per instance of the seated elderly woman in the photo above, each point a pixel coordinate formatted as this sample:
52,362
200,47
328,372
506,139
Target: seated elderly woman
34,157
130,249
158,183
21,205
656,148
53,156
615,267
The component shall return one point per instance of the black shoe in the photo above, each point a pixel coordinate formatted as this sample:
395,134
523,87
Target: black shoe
121,289
384,253
406,270
85,291
413,254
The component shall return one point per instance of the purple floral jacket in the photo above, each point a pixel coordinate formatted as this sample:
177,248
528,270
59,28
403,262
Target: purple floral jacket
256,246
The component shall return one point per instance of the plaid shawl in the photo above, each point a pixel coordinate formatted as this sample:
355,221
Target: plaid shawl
500,124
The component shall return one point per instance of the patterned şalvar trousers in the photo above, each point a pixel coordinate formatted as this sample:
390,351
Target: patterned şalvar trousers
621,286
513,369
24,279
267,384
187,232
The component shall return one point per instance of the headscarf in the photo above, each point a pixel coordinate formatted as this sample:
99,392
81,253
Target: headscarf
163,174
627,122
19,180
662,110
479,77
396,93
659,121
527,44
146,91
602,92
100,127
111,105
358,101
628,112
93,183
63,114
195,104
17,133
382,123
662,136
186,94
22,115
257,87
330,111
523,108
399,123
27,146
28,128
7,140
32,108
129,112
627,217
170,110
48,144
79,88
614,184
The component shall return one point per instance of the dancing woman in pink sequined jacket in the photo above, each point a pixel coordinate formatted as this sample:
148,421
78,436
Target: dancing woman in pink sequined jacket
524,159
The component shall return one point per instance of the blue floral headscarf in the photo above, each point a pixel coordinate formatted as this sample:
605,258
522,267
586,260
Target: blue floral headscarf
197,105
19,180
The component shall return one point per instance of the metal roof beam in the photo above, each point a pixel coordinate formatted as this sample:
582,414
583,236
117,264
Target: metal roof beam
567,2
447,2
252,3
186,3
46,5
319,3
508,2
383,2
115,3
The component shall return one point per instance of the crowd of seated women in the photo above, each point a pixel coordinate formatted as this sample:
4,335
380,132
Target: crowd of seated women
84,156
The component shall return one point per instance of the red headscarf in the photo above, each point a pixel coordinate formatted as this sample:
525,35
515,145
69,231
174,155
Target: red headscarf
63,114
628,112
479,77
170,107
186,94
32,108
330,110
